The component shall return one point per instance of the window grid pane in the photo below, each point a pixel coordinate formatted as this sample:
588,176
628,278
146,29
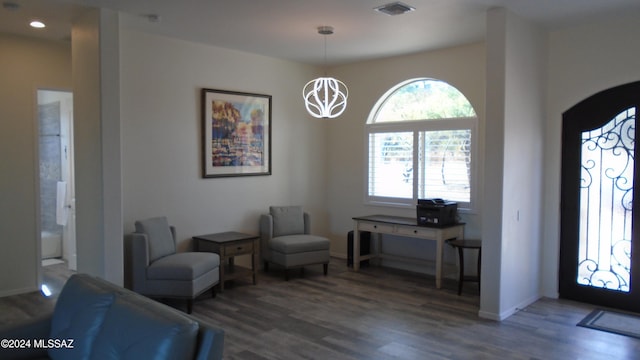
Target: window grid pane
445,159
391,165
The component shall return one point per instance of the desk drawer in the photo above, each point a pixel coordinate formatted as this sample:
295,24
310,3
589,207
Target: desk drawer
237,249
379,228
417,231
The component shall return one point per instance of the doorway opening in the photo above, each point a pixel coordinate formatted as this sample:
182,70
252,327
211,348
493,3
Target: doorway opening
57,189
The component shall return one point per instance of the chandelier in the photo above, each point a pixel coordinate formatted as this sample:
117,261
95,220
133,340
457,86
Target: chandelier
325,97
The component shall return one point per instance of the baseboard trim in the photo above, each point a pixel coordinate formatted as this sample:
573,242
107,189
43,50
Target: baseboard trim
507,313
17,291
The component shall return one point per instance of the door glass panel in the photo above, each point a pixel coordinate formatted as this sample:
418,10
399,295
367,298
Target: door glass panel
606,198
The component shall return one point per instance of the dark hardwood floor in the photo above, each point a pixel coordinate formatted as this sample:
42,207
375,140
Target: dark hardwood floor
25,306
380,313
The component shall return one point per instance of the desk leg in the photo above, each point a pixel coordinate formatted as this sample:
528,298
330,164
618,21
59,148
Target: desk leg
254,261
222,265
439,255
439,251
356,247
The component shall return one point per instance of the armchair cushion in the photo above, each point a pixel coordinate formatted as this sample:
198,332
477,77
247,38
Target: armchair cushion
161,242
183,266
287,220
293,244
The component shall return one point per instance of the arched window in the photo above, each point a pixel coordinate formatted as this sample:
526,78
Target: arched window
421,144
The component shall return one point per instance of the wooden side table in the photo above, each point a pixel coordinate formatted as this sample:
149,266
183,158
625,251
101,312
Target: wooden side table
228,245
462,244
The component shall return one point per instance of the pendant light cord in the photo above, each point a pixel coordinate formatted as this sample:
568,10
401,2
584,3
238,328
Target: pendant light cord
325,54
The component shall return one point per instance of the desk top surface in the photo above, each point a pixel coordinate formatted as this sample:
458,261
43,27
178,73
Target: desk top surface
398,220
224,237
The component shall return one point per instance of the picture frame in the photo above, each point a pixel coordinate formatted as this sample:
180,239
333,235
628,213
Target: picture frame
236,128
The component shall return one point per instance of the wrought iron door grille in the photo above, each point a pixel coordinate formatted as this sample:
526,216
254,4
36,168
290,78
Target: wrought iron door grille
606,198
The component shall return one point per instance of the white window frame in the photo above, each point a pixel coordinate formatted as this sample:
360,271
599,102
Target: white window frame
417,126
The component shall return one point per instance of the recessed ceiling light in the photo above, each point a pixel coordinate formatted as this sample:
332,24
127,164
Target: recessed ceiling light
396,8
37,24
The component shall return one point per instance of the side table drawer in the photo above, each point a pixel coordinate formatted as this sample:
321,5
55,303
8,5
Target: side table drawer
237,249
203,245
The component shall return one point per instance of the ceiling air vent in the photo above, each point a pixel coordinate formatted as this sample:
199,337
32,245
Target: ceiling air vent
396,8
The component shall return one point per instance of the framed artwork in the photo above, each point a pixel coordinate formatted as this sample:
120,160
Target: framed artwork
237,133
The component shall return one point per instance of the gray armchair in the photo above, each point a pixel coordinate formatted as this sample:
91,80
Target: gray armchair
286,240
153,267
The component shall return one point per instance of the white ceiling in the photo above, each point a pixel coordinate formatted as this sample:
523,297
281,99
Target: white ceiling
287,28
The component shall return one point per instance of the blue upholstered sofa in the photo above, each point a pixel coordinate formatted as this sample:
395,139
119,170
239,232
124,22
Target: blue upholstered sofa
94,319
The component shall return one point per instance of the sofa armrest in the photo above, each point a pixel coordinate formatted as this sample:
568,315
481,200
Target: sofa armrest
38,328
307,223
137,260
173,233
210,342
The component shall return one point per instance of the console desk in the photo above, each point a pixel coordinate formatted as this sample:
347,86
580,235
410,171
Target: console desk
402,226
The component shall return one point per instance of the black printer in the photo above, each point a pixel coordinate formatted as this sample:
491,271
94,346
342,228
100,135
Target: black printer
436,212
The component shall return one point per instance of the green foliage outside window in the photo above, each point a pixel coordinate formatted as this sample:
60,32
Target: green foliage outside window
425,100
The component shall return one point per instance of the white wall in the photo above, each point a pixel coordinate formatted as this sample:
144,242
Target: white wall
524,141
25,66
161,82
462,67
97,144
582,61
511,232
494,164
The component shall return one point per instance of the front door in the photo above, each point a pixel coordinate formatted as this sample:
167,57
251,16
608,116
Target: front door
599,228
